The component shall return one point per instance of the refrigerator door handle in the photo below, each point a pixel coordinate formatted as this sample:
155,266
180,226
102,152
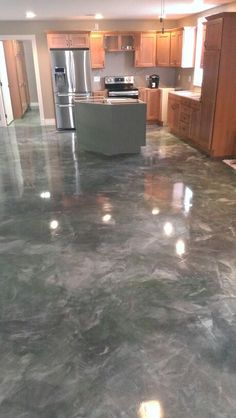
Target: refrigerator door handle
72,70
65,94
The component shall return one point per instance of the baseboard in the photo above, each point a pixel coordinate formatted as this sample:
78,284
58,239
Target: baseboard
34,104
48,122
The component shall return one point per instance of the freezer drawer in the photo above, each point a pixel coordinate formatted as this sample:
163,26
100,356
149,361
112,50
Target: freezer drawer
64,116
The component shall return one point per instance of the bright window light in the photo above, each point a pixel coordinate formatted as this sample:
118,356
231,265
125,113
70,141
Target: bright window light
198,71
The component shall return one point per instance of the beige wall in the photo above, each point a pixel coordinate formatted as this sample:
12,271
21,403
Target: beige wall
29,62
40,28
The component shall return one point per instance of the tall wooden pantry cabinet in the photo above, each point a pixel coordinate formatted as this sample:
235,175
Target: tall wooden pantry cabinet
218,98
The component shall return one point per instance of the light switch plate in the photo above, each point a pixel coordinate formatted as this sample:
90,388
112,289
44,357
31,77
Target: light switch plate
96,79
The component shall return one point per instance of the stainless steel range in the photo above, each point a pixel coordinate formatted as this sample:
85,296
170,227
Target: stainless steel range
121,86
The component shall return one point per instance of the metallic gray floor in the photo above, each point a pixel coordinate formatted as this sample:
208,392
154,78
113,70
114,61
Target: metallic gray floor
118,279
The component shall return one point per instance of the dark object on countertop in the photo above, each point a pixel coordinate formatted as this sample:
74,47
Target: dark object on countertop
153,81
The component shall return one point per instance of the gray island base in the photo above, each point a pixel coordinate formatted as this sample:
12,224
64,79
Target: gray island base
111,127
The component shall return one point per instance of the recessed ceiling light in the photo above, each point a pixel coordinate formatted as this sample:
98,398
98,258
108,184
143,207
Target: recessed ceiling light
30,15
98,16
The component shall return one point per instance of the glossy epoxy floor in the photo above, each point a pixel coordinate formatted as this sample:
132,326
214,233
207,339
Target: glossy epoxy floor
118,279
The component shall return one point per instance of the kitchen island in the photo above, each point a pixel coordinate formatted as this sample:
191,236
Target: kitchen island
110,126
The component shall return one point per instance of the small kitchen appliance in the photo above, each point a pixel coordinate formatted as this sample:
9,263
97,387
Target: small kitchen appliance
153,81
121,86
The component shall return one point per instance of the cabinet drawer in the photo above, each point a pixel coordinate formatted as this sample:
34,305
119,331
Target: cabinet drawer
184,129
184,117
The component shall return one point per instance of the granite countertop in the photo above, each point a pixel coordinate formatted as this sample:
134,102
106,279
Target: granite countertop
188,94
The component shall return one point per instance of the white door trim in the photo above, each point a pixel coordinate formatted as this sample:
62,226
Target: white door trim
3,121
31,38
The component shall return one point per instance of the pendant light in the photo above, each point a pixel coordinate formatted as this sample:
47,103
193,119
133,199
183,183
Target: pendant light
162,15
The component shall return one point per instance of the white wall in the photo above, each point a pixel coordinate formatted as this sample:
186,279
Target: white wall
30,72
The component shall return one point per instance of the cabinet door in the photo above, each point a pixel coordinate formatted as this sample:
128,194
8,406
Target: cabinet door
145,55
176,41
58,40
79,40
97,50
112,42
208,95
203,43
195,123
173,113
213,34
153,98
163,49
142,94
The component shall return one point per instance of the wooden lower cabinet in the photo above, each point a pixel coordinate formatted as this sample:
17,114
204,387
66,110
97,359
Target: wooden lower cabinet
184,118
195,122
152,97
173,113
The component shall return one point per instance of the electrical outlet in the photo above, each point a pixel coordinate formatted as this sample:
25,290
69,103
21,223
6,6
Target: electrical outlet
147,77
189,78
179,77
96,79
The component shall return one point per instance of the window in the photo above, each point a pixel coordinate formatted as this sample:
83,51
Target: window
198,71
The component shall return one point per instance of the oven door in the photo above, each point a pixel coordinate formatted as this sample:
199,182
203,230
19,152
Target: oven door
123,93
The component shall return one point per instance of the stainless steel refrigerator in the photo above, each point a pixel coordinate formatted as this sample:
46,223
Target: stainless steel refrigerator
71,76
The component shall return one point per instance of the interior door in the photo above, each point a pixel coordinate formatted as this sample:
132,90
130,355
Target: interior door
5,102
21,75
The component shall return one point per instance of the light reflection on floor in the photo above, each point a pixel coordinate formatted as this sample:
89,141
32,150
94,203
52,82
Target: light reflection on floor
117,290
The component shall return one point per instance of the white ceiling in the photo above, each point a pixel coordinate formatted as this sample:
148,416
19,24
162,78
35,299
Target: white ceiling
110,9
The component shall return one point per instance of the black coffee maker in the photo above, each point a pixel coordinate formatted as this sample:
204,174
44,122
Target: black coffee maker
153,81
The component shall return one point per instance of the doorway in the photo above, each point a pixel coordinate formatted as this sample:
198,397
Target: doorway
6,114
34,65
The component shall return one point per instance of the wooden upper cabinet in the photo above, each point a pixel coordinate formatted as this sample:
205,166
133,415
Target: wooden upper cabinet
145,54
213,35
79,40
68,40
182,47
176,41
163,49
97,50
119,41
58,40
